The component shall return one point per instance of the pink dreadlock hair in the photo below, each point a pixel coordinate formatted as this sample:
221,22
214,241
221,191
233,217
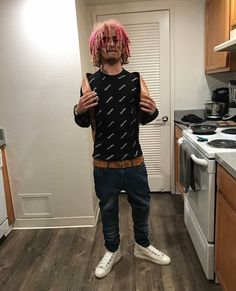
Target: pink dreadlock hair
96,40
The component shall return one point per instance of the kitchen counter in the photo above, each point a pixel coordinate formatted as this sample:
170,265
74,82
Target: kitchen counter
228,162
179,114
181,126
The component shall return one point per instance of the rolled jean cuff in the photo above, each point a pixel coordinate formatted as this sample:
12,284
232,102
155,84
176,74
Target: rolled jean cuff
111,248
142,243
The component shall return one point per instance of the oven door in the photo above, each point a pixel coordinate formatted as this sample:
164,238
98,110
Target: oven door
202,201
199,210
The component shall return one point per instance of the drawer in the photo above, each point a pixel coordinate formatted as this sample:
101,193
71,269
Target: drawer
227,185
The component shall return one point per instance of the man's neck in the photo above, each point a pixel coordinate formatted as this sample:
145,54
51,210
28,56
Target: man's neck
112,69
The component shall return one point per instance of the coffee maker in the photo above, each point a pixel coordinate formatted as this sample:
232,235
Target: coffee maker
232,97
217,107
232,102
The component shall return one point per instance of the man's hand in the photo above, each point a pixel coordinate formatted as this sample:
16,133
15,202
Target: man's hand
147,104
87,101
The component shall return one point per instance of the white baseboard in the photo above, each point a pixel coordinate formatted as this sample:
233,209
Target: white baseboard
59,222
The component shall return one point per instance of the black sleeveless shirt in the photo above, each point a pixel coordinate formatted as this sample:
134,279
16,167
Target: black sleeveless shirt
117,116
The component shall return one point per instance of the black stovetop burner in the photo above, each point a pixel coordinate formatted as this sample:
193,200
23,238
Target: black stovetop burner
223,143
204,129
229,131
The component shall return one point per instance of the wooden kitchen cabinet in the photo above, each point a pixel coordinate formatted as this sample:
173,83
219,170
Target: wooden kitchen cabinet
233,14
226,230
178,134
7,188
217,31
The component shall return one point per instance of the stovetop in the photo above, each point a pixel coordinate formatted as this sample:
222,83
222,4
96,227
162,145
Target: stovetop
222,143
201,141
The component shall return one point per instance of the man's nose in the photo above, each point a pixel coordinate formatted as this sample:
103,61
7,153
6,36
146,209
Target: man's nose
111,42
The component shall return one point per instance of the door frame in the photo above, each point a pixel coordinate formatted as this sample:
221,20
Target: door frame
142,7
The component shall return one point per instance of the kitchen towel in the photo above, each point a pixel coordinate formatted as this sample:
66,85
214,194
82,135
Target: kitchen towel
185,167
192,118
189,171
195,176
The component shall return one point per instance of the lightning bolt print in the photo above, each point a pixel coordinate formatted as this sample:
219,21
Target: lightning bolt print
108,113
122,98
110,124
107,87
122,111
121,77
123,86
123,123
109,99
124,134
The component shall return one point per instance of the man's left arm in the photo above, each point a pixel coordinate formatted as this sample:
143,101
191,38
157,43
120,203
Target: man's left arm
147,117
147,105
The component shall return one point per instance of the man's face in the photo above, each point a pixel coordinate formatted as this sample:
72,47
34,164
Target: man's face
111,49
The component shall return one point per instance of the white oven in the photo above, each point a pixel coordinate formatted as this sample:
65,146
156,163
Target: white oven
199,205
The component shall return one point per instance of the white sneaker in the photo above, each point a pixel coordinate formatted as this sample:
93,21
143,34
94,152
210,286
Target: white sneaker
152,254
107,262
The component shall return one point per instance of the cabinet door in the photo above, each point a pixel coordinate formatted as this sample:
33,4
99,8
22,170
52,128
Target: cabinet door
7,189
225,243
226,229
178,134
217,31
233,14
3,209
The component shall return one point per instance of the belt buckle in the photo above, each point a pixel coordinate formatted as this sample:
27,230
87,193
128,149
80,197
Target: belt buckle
121,164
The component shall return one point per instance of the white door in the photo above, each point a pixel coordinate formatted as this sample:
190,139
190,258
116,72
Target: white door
149,36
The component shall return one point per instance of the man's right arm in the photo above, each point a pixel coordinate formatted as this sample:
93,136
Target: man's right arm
81,110
82,119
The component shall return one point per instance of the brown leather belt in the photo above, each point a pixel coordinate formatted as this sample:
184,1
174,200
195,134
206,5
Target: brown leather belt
119,164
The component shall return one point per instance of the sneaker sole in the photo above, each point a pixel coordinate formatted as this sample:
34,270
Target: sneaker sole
141,256
103,276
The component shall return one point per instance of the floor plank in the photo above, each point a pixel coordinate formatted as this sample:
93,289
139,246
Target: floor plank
64,259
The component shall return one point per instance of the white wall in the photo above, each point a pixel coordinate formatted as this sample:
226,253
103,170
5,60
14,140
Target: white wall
189,53
84,30
84,21
40,76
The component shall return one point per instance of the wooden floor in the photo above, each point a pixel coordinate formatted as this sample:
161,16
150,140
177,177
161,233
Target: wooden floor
64,259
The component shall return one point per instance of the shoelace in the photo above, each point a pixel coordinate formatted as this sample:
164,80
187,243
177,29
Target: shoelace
155,251
106,260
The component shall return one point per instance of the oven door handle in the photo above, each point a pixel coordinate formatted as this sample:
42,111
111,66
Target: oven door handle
200,162
180,140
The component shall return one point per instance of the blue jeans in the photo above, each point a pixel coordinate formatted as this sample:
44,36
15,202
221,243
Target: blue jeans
108,185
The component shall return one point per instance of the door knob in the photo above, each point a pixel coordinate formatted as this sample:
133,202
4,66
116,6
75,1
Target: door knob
165,118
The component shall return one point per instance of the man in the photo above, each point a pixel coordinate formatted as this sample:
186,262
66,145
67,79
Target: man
114,109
